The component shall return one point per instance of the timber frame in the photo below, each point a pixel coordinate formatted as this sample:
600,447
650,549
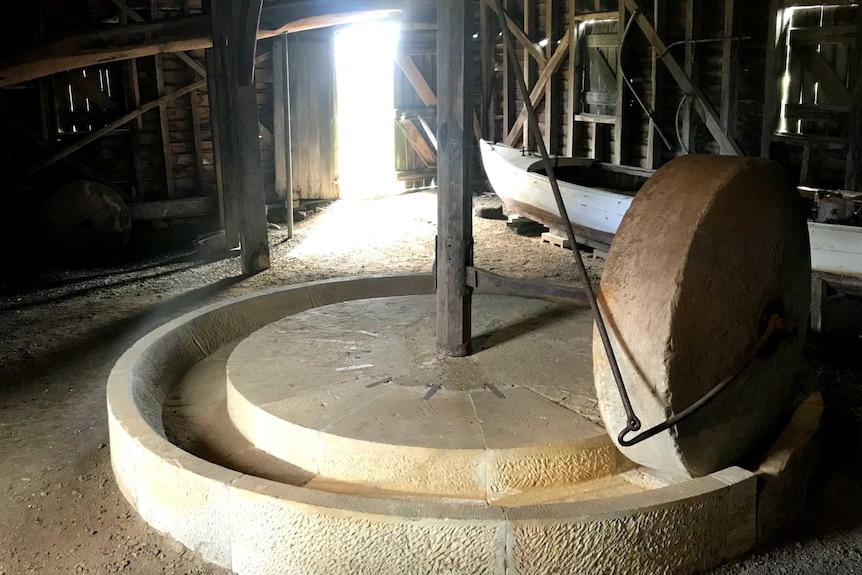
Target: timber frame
142,99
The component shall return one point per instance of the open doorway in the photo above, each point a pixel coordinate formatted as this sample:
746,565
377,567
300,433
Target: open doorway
364,59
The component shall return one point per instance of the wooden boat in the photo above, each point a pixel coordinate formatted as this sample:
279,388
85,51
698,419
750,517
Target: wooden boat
597,196
836,249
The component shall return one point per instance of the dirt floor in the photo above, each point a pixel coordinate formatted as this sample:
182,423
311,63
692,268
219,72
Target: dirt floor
61,331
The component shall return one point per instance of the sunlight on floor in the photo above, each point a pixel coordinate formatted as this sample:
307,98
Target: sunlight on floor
349,226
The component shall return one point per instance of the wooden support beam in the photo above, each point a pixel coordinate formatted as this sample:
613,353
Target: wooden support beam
823,35
487,35
163,210
524,40
51,147
113,126
164,128
619,108
531,11
454,219
538,92
853,173
553,11
246,14
607,74
429,133
417,142
687,131
235,26
179,34
772,90
831,86
133,101
281,128
417,80
590,16
654,151
702,105
220,122
819,291
574,83
508,88
728,76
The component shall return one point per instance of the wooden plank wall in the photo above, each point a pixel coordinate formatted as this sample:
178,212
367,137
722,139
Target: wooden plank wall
167,153
723,57
813,135
420,47
312,115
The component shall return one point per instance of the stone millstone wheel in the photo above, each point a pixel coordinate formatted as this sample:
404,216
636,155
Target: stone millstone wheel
710,248
86,220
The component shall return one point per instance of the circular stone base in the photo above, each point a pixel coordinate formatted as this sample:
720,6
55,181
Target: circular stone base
253,522
356,392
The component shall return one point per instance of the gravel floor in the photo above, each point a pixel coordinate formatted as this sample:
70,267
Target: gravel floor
62,330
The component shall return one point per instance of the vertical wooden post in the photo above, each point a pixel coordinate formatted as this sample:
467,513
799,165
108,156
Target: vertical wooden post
227,185
819,290
619,148
486,30
234,41
654,150
553,21
509,112
281,127
772,91
687,131
155,14
454,216
728,79
530,13
853,174
573,78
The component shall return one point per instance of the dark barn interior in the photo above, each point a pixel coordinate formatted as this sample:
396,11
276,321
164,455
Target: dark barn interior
157,156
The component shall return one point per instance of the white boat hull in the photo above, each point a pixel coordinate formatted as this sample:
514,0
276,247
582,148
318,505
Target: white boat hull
596,214
835,248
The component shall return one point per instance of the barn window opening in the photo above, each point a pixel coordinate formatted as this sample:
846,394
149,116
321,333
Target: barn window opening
85,100
364,60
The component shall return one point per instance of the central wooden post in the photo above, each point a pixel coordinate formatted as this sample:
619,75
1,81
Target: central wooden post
454,200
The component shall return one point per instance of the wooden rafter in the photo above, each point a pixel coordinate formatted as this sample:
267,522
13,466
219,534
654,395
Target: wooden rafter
702,105
50,146
417,80
418,142
538,92
179,34
532,49
65,152
135,17
831,85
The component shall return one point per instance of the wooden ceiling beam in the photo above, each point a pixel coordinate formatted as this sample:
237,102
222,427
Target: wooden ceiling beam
179,34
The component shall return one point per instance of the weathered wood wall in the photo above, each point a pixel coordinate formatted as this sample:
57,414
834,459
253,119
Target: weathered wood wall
586,107
312,93
167,153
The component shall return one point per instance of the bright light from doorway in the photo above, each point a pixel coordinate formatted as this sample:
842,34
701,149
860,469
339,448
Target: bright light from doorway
364,59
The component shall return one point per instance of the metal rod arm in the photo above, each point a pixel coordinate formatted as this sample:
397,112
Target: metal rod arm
533,121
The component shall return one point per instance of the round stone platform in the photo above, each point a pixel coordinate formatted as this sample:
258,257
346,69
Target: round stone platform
191,474
355,392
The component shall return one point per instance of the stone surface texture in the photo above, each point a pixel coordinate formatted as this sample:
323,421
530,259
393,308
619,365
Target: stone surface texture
256,526
710,247
342,391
